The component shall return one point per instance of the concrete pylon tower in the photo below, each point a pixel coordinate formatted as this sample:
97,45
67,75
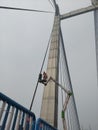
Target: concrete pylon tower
95,2
49,108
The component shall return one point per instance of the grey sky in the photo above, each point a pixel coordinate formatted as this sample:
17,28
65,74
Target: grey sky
23,40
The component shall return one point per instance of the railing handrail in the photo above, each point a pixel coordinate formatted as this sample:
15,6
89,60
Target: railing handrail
41,121
15,104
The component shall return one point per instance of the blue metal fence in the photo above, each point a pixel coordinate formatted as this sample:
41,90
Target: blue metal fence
43,125
14,116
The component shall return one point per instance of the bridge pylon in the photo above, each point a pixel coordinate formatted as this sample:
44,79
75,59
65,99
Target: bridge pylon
49,108
95,3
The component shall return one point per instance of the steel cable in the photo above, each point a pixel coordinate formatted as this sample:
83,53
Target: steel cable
40,72
51,3
23,9
73,120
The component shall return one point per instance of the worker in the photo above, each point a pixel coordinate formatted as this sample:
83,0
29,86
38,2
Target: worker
40,77
43,78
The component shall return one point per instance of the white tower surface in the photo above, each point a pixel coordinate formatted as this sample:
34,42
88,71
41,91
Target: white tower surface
49,107
95,2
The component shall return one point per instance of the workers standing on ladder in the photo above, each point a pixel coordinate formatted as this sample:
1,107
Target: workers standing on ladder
43,78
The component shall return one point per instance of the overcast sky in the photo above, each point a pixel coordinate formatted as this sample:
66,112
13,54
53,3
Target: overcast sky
23,40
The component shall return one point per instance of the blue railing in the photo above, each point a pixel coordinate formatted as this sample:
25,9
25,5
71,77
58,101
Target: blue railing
43,125
14,116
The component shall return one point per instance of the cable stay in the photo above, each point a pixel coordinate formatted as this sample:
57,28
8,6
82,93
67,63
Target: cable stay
51,2
71,115
40,73
23,9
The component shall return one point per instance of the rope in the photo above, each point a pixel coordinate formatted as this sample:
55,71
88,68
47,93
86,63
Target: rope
40,72
23,9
